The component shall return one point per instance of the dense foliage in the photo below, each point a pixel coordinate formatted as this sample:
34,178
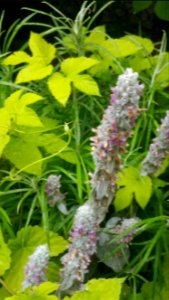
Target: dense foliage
84,145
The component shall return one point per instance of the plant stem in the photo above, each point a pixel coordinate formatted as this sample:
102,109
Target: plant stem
6,287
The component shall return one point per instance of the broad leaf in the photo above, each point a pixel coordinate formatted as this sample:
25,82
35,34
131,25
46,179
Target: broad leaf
76,65
23,154
140,5
96,36
53,144
118,48
162,10
33,72
132,185
42,51
23,246
142,43
4,128
60,87
16,58
86,84
28,117
5,255
108,289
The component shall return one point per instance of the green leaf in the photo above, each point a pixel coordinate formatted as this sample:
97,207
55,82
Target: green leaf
140,5
118,48
23,153
76,65
86,84
33,72
162,10
15,105
60,87
42,51
28,117
108,289
53,144
16,58
4,128
142,43
132,185
46,288
95,38
23,246
41,292
5,255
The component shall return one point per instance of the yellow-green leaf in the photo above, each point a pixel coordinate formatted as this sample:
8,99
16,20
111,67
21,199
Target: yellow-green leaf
143,43
27,117
60,87
118,48
4,121
16,58
33,72
4,140
86,84
23,153
29,98
23,246
5,255
43,52
76,65
99,289
96,37
132,185
11,103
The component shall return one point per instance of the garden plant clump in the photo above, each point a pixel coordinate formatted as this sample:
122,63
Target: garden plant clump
84,145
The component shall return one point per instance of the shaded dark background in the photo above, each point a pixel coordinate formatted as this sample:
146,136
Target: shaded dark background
118,17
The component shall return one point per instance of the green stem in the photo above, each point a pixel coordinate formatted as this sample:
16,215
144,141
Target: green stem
6,287
76,122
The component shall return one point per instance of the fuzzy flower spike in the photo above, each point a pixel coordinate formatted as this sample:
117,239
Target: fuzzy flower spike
111,136
83,245
159,149
109,142
35,270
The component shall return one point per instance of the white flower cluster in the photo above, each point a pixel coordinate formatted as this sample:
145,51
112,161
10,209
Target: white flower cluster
35,270
159,149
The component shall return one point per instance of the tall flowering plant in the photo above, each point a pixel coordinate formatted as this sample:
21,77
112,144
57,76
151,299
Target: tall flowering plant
158,150
109,142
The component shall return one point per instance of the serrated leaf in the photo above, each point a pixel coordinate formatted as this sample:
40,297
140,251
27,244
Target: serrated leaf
76,65
86,84
33,72
132,184
23,246
23,153
140,5
42,51
16,58
109,289
11,103
60,87
5,255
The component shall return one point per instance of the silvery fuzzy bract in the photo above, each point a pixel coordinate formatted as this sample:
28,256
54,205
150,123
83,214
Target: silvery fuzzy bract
159,149
111,136
83,245
55,197
35,270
